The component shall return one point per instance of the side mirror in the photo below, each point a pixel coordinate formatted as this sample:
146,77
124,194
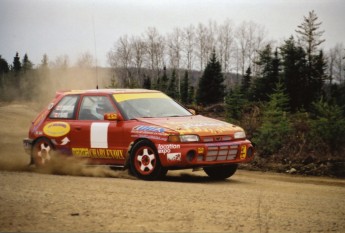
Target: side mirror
112,117
192,111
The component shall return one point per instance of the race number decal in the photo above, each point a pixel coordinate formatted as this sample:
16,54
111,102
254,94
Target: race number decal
99,135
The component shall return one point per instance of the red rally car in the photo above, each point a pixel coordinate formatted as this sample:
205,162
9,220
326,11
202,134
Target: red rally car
144,130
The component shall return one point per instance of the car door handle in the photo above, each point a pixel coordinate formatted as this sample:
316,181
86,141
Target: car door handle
78,128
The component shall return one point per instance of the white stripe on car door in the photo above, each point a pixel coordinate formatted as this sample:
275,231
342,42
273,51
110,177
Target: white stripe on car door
99,135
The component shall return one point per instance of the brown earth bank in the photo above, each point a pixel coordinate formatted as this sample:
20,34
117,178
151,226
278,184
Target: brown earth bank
70,196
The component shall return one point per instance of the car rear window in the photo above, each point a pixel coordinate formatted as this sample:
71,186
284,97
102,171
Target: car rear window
65,109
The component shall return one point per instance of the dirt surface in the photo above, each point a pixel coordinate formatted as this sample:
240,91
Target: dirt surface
73,197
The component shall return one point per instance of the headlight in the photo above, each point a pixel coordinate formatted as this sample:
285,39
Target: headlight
239,135
189,138
183,138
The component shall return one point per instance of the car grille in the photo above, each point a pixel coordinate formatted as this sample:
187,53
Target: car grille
219,153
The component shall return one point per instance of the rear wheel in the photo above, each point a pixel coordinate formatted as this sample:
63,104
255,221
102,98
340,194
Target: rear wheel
41,152
145,162
221,172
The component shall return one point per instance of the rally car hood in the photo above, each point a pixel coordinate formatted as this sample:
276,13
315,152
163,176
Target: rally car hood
203,126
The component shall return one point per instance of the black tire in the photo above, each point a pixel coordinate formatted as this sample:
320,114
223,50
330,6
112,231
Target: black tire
41,152
221,172
144,161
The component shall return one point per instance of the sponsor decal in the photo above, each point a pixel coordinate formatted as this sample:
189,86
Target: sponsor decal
64,141
199,126
56,129
65,108
38,133
131,96
174,156
203,124
166,148
98,153
243,152
154,137
61,115
147,128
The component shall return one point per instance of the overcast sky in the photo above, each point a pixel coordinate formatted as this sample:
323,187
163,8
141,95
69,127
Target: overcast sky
59,27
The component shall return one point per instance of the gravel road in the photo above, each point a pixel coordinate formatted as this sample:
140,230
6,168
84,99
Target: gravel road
73,197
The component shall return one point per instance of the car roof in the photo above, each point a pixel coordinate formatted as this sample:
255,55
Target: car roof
105,91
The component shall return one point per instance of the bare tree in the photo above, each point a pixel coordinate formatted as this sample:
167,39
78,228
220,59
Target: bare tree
200,45
309,34
336,63
188,45
243,42
120,58
225,44
174,44
139,51
86,60
250,39
60,62
212,32
155,51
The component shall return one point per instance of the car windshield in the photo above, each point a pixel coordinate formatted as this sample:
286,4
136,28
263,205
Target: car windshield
143,107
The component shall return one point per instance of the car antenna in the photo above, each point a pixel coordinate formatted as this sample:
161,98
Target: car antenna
94,40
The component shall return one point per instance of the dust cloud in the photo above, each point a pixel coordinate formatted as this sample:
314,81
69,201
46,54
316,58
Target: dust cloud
67,165
51,81
17,115
40,86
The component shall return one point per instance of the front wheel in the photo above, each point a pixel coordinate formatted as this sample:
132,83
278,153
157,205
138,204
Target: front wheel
145,162
221,172
41,152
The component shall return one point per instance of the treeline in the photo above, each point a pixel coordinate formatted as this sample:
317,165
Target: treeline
289,97
17,80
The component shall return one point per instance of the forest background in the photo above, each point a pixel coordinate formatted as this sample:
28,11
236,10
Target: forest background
289,97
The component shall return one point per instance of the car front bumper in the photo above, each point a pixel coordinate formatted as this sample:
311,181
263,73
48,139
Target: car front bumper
205,154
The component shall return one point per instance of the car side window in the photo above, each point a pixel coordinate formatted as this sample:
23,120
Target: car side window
65,109
94,108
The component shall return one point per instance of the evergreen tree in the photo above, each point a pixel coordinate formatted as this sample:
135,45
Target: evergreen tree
17,66
163,85
234,104
172,88
184,88
275,127
318,76
266,81
309,35
246,82
157,84
328,126
44,62
337,96
147,82
3,66
295,77
113,83
4,69
211,88
27,64
191,95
